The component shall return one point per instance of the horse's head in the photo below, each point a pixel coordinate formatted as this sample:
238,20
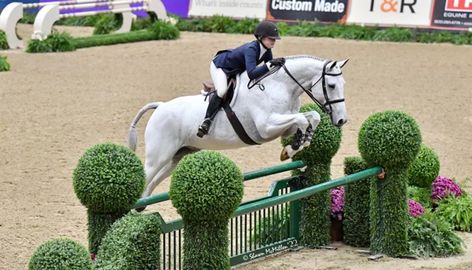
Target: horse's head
330,93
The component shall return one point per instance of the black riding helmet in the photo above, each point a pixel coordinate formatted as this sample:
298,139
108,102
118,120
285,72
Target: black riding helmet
266,29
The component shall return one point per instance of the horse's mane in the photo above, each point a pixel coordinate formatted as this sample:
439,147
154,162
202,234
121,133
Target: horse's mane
304,56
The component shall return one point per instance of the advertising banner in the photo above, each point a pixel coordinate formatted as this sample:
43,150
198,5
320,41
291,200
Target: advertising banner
230,8
416,13
308,10
177,7
452,14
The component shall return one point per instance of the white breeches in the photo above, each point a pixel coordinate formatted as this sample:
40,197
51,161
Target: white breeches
219,79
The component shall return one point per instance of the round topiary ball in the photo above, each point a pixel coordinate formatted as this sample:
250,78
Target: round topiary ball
389,139
109,178
425,168
132,242
59,254
206,185
326,139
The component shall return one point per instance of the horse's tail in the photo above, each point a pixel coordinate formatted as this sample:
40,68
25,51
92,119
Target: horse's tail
132,135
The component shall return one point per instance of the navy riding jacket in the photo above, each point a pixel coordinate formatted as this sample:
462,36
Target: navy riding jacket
245,57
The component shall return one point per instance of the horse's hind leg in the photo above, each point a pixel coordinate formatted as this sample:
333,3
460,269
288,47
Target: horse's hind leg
161,148
157,177
155,174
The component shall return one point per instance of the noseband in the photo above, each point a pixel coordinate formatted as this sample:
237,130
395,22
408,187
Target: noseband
325,107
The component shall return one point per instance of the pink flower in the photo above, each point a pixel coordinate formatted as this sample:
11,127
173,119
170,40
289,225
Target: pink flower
443,187
337,203
415,208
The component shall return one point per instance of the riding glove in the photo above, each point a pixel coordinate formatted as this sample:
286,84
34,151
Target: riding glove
277,62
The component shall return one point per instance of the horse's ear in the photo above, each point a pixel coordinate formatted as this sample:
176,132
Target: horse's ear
343,62
333,65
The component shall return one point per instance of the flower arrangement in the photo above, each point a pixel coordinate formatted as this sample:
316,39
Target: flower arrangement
442,187
337,203
415,208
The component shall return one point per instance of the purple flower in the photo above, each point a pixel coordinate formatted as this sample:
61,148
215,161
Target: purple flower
443,187
415,208
337,203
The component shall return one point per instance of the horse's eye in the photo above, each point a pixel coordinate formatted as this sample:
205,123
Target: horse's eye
332,86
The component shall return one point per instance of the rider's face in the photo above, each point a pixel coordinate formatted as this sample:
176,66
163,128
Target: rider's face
268,42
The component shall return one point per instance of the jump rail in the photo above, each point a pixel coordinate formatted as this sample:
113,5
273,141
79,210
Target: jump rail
263,217
50,12
164,196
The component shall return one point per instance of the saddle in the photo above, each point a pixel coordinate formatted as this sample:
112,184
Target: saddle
209,89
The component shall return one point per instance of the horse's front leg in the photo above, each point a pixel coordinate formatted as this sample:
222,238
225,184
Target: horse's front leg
314,119
277,125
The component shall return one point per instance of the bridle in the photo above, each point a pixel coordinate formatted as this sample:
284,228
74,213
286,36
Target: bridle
325,107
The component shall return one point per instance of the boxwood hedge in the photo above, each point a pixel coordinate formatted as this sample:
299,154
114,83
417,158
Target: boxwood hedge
133,242
356,222
392,140
206,189
425,168
60,254
108,180
315,218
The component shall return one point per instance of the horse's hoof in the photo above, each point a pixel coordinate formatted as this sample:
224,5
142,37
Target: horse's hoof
140,209
284,155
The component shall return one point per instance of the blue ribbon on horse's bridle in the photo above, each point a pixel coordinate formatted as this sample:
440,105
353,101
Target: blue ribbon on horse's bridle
325,107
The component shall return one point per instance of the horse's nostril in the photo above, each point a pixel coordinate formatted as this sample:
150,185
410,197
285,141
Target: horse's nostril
341,122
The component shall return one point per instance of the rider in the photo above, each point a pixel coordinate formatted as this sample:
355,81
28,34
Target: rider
228,63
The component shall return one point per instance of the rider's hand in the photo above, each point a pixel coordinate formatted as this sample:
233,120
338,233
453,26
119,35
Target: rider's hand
277,62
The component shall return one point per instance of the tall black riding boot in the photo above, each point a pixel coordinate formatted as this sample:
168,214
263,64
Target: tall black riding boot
213,107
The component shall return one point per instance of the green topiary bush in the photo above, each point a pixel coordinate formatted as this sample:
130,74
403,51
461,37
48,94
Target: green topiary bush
4,65
57,42
133,242
430,236
164,31
326,139
392,140
315,210
108,180
144,23
60,254
111,39
424,169
206,189
3,41
356,222
107,24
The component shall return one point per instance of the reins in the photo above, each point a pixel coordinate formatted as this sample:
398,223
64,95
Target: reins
325,107
258,80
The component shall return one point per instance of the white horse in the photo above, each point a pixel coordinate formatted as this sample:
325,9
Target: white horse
267,111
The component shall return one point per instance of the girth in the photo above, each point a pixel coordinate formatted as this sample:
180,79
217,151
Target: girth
232,117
